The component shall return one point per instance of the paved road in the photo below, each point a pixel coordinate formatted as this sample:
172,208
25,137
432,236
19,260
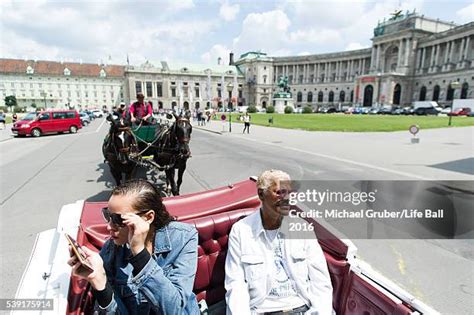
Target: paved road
40,175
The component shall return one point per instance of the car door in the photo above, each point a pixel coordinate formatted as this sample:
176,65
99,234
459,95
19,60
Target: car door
45,122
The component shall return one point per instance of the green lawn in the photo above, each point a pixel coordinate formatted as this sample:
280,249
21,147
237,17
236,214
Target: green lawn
357,123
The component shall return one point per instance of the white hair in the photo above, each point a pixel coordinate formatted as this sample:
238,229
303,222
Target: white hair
269,178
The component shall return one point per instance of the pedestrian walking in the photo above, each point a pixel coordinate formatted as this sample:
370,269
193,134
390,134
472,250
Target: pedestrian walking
246,119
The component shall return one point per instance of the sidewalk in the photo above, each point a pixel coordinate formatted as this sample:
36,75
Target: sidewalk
445,153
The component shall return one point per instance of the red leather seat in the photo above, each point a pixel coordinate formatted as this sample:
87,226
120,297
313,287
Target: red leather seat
212,250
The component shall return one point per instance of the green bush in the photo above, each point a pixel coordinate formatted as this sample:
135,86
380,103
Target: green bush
307,110
288,110
252,109
270,109
4,109
17,109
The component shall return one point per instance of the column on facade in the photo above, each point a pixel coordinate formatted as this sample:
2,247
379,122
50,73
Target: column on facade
315,74
407,51
438,48
423,57
336,77
446,53
451,50
461,47
399,56
363,66
318,72
432,56
377,62
466,50
297,73
372,58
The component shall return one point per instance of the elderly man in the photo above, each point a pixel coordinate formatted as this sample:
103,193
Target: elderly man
266,270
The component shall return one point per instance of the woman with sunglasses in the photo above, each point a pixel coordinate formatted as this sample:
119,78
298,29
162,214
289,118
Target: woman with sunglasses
149,263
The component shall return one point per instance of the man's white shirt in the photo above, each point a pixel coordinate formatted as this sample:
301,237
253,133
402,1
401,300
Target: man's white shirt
250,270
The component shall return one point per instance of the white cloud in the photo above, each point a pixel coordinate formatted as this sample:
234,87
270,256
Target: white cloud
266,31
318,36
229,12
466,14
215,52
304,53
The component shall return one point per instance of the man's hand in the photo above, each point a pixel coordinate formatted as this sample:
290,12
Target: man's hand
97,278
137,231
133,119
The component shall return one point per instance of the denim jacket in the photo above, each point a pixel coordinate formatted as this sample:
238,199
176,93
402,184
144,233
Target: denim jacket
166,282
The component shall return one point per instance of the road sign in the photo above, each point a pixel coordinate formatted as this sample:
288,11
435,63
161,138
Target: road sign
414,129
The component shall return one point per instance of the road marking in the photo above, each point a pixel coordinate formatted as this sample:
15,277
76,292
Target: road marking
343,160
98,128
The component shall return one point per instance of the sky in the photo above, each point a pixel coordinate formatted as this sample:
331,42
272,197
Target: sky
196,31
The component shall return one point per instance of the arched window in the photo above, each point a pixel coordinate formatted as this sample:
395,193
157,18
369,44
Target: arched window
450,93
368,95
173,105
320,96
436,93
160,105
310,97
331,97
30,70
208,105
196,105
423,93
342,96
352,96
465,87
299,97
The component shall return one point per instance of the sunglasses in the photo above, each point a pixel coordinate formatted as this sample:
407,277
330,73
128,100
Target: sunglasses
114,218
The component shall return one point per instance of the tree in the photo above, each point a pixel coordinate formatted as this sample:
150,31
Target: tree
33,105
270,109
10,101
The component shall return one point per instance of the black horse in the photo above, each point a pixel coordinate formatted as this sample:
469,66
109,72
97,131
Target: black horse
118,145
173,151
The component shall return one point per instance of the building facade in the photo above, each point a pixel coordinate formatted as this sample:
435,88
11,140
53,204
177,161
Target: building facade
49,84
412,58
185,86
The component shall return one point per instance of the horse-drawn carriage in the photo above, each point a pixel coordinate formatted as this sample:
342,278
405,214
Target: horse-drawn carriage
357,289
160,146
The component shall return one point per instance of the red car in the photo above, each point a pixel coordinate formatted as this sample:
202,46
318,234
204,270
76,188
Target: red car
357,289
51,121
461,111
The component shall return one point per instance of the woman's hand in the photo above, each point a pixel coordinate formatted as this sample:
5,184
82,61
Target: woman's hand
97,278
137,231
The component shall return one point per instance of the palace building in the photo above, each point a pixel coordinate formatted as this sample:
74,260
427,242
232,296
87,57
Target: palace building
412,58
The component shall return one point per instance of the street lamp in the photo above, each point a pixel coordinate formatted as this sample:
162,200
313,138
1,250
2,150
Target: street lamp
454,85
230,88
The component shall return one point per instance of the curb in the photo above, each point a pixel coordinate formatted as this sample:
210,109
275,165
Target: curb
204,129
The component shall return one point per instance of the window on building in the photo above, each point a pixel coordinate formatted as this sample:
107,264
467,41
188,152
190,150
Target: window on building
219,93
197,92
299,97
138,87
310,97
240,93
342,96
331,97
159,89
149,89
264,79
436,93
173,92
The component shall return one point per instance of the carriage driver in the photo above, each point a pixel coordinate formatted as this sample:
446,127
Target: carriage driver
140,110
270,271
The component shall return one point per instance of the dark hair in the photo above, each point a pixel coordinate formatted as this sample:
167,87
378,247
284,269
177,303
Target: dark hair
145,197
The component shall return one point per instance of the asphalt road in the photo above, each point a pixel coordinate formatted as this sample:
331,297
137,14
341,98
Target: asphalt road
39,175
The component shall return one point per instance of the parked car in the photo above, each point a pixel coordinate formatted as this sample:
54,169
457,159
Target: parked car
97,113
85,119
53,121
461,111
446,110
91,114
424,111
328,110
408,110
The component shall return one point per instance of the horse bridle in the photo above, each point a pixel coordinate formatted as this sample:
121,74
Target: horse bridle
184,140
128,131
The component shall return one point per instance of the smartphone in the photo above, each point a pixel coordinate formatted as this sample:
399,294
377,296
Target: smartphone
79,253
